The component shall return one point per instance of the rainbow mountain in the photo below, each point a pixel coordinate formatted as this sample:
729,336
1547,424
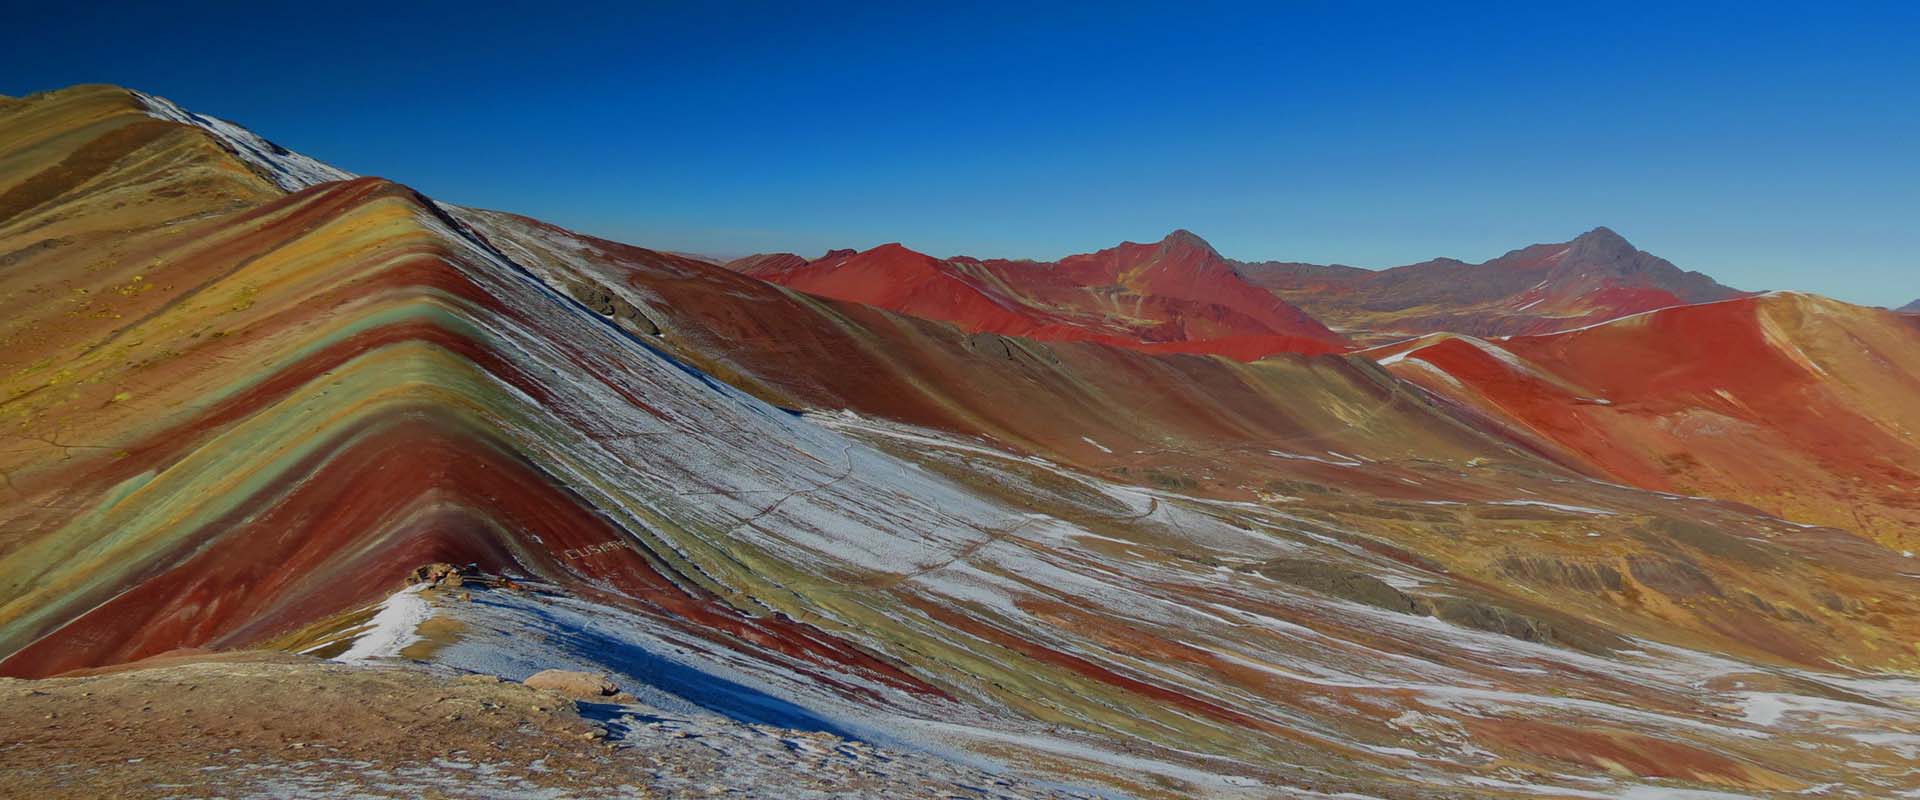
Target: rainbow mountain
244,395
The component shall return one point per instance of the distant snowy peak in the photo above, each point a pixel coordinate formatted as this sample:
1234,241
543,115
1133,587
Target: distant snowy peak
289,170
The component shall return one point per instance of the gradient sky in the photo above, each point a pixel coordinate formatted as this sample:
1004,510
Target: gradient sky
1769,146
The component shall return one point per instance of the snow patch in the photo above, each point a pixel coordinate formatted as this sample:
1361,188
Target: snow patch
1764,708
1345,461
1571,509
392,628
287,169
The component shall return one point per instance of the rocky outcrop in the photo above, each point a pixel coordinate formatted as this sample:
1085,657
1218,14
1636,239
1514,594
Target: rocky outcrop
1533,626
1346,584
573,684
606,303
1530,627
1672,577
1592,578
438,574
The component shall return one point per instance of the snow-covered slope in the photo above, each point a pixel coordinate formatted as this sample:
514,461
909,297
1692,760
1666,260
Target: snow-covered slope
290,170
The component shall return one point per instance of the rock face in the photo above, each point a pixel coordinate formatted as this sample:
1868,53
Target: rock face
606,303
1538,289
573,684
440,574
1590,578
1345,584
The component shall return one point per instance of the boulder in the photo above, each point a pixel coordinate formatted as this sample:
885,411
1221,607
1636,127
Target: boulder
572,683
438,573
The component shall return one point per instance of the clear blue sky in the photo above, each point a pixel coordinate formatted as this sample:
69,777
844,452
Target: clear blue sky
1772,147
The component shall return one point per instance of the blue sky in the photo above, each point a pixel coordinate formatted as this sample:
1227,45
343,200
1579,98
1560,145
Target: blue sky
1770,146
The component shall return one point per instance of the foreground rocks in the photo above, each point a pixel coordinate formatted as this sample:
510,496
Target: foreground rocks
273,725
573,684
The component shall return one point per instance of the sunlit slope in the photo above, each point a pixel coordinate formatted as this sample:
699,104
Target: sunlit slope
1172,575
1323,436
1108,408
91,188
94,191
1524,547
285,409
1805,407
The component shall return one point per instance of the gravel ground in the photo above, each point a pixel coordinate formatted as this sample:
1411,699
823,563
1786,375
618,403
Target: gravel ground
271,725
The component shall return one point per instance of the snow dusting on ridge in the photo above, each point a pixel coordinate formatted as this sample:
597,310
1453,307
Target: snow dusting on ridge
289,170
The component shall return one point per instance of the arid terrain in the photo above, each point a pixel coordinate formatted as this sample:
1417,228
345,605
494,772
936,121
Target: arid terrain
263,724
304,473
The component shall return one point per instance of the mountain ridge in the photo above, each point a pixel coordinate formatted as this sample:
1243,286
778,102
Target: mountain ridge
1539,288
1593,277
1650,400
1176,294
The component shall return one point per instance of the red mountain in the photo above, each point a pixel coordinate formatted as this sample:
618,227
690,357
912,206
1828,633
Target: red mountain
1175,295
1799,405
1538,289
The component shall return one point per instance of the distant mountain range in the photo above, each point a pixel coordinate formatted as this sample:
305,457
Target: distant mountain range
1180,294
1175,295
1536,289
1910,308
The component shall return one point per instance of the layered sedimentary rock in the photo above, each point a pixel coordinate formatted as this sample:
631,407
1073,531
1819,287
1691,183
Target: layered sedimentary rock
241,402
1799,405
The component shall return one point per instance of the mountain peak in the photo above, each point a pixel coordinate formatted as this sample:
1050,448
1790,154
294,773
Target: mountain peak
1910,308
1602,244
1183,238
895,253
